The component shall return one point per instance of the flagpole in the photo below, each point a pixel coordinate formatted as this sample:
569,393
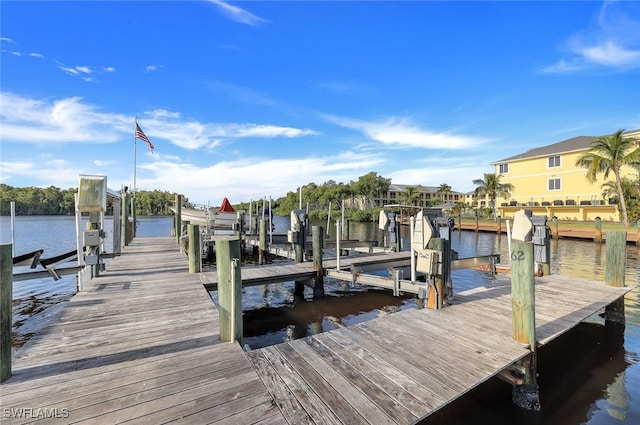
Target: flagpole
133,198
135,124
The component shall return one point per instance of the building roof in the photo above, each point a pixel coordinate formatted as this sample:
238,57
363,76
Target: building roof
570,145
578,143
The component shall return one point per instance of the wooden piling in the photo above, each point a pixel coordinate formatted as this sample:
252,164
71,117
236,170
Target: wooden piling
6,310
523,293
262,242
299,243
229,289
178,218
117,227
124,217
616,258
477,226
554,227
437,302
499,225
638,233
317,234
525,396
597,230
195,256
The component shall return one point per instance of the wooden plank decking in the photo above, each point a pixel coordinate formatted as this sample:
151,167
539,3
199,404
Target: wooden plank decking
402,367
140,344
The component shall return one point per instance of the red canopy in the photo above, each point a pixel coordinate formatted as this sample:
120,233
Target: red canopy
226,206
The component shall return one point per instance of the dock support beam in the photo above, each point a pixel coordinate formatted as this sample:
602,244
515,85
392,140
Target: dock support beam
195,256
616,257
229,289
6,310
318,236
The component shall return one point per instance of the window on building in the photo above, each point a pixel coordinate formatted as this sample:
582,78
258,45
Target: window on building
504,168
554,184
554,161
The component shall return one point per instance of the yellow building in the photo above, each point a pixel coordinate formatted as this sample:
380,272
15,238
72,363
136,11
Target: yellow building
547,181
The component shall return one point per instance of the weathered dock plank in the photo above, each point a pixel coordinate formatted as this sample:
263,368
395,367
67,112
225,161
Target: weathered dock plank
141,343
411,363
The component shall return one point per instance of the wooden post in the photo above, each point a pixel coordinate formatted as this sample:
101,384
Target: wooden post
178,218
195,256
438,244
460,221
638,233
499,225
6,310
117,227
616,258
598,230
554,227
523,293
477,226
229,289
525,396
317,233
299,243
262,242
125,220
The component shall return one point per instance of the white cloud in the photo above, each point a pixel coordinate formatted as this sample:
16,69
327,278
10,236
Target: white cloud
236,14
36,55
238,180
109,69
401,132
614,41
611,54
69,120
14,53
152,68
7,40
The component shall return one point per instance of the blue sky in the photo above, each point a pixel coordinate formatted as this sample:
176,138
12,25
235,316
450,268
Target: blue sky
251,99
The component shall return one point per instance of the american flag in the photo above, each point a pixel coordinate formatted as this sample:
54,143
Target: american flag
140,135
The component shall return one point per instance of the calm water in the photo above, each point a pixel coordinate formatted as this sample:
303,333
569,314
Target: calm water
591,375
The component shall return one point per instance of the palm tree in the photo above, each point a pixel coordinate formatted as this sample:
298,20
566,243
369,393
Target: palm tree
491,185
410,195
608,154
443,190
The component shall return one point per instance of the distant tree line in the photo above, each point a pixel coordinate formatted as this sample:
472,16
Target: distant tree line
55,201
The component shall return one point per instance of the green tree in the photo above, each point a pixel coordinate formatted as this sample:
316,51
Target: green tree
608,154
443,190
410,195
369,186
631,191
490,185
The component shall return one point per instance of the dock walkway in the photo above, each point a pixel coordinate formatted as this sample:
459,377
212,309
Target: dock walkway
141,343
403,367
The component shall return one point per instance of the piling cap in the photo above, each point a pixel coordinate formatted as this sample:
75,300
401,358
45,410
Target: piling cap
522,227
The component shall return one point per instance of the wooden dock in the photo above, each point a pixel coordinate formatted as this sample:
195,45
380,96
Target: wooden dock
142,344
403,367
